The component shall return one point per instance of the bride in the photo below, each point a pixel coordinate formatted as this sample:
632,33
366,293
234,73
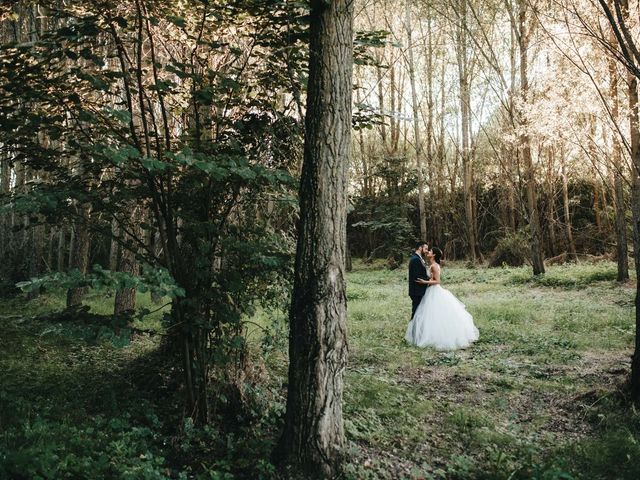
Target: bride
441,320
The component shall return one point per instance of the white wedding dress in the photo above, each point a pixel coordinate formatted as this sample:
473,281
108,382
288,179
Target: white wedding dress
441,321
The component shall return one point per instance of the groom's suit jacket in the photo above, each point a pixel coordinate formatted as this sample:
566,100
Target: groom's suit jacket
417,270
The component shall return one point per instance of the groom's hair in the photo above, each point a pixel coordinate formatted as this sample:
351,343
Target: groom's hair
419,244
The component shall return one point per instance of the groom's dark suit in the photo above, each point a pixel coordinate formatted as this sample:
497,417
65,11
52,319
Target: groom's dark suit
417,270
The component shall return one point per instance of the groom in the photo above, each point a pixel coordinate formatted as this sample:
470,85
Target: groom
418,275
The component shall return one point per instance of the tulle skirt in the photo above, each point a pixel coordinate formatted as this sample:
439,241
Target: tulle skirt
441,321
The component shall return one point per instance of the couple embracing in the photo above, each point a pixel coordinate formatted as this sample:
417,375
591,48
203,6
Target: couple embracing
438,318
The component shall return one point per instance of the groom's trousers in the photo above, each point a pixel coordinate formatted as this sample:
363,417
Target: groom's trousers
415,301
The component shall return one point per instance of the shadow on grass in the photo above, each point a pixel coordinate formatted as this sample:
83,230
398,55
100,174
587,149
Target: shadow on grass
567,277
77,402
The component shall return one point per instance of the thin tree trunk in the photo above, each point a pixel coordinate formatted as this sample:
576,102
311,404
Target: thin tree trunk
37,255
571,246
50,235
552,203
157,250
61,249
512,157
604,207
618,188
634,133
416,127
465,118
394,127
313,436
475,223
383,125
80,256
114,249
634,126
430,133
125,300
72,247
596,208
5,190
532,201
366,189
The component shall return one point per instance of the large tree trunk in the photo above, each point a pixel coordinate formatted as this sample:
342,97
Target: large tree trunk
532,201
618,189
313,436
416,122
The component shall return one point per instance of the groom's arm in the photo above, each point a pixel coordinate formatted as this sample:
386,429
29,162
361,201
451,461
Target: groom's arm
416,271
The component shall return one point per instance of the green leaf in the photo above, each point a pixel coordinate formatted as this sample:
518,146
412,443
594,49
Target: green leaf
123,116
177,21
118,155
154,165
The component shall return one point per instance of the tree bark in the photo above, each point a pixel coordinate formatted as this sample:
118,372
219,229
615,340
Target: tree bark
627,41
37,255
383,125
156,246
61,249
525,142
465,121
571,246
618,188
114,249
80,256
126,297
71,248
416,128
125,300
313,437
596,208
4,190
512,156
635,209
551,215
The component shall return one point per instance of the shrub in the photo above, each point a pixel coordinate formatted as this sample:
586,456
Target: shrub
512,250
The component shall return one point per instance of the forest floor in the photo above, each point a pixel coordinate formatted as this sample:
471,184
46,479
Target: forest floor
542,394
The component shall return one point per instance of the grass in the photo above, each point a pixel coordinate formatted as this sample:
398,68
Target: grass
541,395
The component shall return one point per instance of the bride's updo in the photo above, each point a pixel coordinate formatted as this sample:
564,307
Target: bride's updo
437,254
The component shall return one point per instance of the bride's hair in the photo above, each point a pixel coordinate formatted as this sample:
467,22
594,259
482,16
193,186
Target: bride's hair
437,254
